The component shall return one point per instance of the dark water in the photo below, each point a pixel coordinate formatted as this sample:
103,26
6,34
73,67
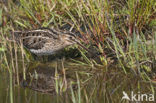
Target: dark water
76,83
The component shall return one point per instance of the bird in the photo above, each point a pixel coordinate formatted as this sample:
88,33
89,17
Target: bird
46,41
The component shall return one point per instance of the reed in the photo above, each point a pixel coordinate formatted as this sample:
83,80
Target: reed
120,31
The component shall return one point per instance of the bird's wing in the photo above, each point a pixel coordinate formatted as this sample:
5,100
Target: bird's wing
34,39
37,32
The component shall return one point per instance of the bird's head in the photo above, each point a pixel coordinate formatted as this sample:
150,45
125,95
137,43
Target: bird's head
69,39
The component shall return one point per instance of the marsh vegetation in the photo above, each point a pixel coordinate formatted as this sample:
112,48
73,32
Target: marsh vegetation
121,32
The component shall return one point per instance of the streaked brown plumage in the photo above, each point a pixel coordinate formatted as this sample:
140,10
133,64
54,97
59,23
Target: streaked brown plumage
45,41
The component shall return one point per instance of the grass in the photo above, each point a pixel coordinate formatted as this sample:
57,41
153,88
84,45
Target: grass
122,31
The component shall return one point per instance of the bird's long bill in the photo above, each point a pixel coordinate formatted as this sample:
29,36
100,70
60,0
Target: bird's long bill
85,48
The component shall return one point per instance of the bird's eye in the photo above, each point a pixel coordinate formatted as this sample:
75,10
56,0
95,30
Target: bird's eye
71,37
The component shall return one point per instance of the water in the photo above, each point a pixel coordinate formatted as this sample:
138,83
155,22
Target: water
74,83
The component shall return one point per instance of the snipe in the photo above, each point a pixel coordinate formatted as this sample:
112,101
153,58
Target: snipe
45,41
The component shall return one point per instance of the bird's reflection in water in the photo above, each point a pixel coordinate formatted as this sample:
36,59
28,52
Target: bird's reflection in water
46,78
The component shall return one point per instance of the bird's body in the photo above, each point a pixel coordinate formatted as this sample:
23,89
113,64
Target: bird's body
45,41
